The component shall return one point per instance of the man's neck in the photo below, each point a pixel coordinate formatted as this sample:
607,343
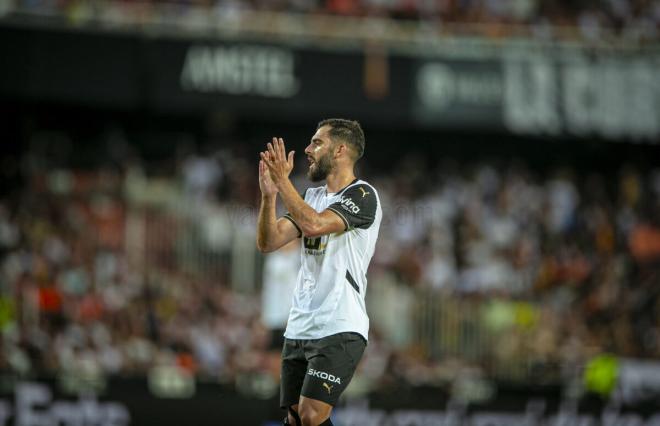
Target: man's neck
339,179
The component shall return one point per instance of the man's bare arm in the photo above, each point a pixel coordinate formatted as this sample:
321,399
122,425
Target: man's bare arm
273,233
311,223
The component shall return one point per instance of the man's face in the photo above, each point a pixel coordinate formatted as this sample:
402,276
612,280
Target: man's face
320,154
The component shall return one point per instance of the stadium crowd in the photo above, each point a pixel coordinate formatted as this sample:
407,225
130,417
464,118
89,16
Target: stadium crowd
561,267
633,19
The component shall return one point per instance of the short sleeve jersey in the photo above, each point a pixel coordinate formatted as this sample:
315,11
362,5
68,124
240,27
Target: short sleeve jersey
329,297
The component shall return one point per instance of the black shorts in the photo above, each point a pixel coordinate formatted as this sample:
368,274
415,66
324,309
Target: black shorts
320,368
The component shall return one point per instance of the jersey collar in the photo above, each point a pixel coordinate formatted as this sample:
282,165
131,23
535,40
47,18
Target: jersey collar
341,190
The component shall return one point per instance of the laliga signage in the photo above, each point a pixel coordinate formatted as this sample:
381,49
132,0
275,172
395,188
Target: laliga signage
613,96
34,406
577,92
240,70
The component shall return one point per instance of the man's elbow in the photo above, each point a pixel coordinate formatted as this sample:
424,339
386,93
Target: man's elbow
263,247
312,231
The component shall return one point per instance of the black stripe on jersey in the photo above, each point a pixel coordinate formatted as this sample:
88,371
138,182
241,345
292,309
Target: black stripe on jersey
351,281
288,216
341,191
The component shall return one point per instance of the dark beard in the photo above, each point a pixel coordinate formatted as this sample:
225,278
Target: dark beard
320,172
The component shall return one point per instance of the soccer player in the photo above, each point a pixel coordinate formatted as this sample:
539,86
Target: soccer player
328,327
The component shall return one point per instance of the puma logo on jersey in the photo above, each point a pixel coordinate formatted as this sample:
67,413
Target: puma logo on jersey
323,375
328,387
364,193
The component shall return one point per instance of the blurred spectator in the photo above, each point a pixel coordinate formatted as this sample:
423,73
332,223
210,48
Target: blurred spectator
279,280
202,176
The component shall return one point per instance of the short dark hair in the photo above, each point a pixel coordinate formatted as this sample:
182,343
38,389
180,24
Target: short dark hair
347,130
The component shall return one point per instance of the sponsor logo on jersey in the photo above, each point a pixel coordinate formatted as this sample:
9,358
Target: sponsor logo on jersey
364,193
349,204
328,387
323,375
313,252
315,246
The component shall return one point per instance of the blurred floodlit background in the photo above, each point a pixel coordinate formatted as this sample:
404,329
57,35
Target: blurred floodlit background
515,145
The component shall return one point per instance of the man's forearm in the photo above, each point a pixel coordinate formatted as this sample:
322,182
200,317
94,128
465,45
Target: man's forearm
304,215
266,222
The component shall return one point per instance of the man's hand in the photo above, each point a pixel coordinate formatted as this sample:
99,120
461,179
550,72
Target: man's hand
266,184
278,162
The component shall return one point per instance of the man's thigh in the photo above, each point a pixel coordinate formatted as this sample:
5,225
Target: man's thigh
331,362
294,367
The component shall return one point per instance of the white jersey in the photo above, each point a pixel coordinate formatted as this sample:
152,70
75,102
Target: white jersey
332,282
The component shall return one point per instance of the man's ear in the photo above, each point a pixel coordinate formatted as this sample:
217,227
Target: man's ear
340,149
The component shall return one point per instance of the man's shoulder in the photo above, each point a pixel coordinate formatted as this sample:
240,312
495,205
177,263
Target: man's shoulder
363,188
358,205
363,183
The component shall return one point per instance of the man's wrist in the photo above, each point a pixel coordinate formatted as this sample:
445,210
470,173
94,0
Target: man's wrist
281,184
268,197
